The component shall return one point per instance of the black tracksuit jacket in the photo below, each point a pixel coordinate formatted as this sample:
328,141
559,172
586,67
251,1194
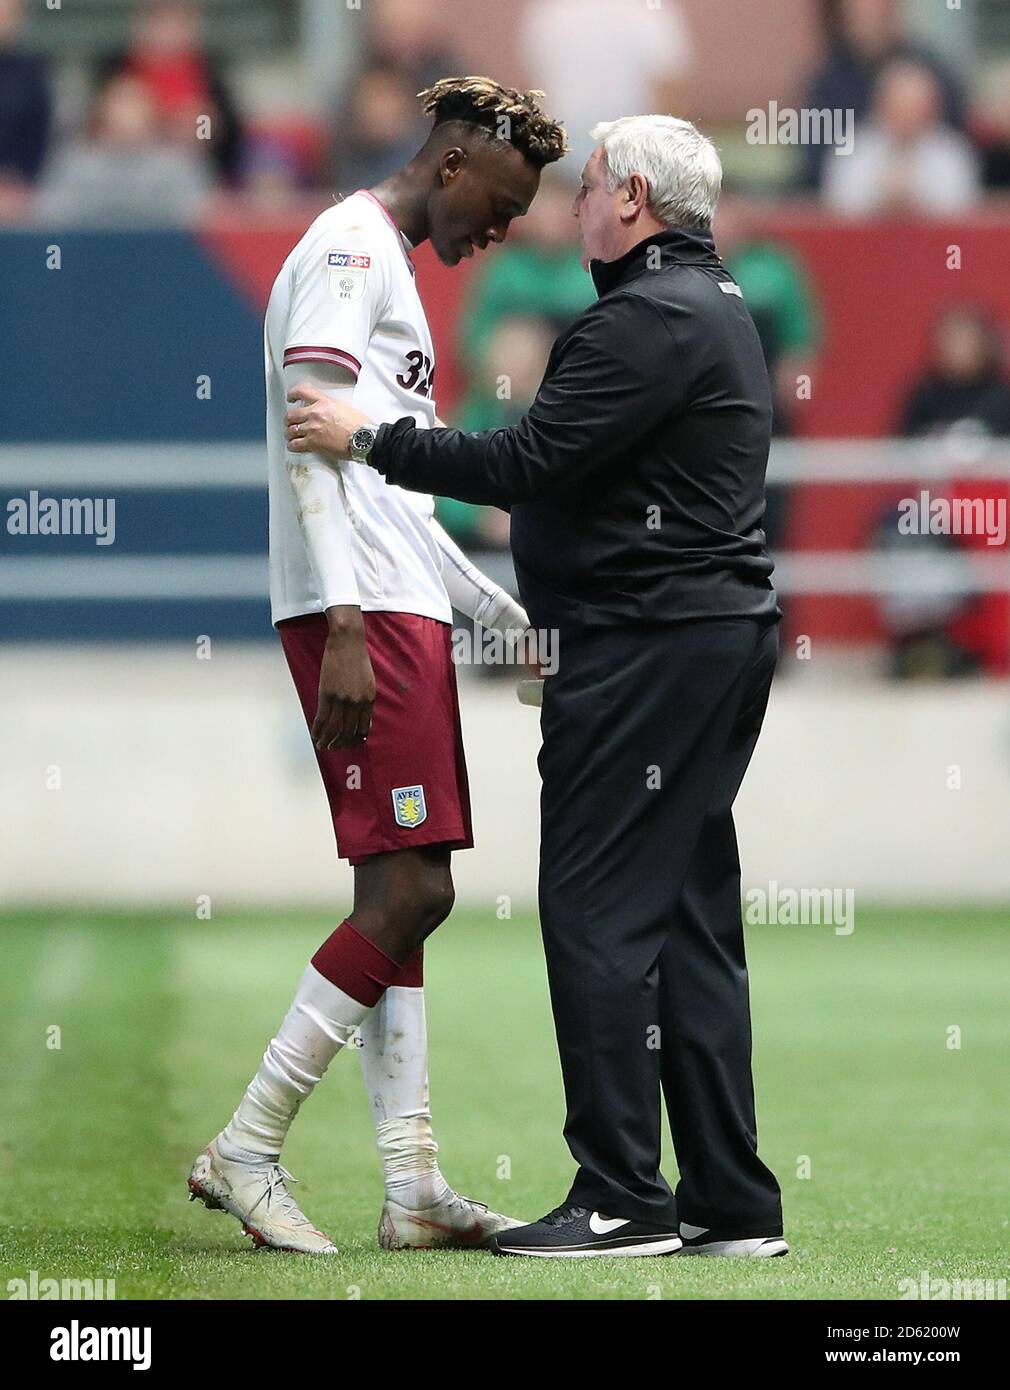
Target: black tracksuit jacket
636,479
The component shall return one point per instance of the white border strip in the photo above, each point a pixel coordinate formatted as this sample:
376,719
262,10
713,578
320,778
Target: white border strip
175,577
133,466
907,461
244,465
188,577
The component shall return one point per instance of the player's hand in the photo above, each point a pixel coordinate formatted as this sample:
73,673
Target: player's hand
346,683
321,425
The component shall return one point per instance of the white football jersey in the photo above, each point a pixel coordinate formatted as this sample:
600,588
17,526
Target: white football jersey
346,295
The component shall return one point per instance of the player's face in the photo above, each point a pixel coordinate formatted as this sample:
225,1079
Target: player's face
478,198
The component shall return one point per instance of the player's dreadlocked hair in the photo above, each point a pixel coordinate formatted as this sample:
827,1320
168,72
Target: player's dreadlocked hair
502,111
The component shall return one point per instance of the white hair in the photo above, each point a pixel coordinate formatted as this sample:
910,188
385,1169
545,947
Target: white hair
681,165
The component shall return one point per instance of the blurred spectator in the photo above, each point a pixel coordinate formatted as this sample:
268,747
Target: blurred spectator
509,374
182,80
122,174
600,59
780,299
993,130
410,38
965,395
863,37
25,114
283,155
271,172
380,128
521,298
966,386
503,383
380,125
536,273
906,159
922,630
778,294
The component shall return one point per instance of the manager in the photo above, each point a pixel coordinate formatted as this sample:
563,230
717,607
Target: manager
635,484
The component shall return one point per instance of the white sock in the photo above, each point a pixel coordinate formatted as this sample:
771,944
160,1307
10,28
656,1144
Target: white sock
315,1028
394,1063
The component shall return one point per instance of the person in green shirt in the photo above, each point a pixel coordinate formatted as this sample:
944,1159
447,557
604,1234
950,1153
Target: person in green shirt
521,299
537,273
781,302
778,295
503,384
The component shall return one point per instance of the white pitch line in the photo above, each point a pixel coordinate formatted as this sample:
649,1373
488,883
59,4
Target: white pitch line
61,975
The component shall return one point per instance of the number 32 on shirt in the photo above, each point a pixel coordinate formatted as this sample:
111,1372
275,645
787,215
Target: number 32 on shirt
420,376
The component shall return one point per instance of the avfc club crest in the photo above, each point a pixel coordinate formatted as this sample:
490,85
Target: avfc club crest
409,808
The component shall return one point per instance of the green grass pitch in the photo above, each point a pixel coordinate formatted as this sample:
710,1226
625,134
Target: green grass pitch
162,1021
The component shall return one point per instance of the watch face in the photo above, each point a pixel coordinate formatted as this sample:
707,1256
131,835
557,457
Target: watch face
362,439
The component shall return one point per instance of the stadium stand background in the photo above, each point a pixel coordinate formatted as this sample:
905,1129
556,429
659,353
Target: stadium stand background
138,366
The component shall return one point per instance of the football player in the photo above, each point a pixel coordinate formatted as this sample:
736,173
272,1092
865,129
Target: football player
363,581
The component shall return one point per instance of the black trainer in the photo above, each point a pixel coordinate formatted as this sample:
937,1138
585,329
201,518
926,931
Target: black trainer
700,1240
570,1232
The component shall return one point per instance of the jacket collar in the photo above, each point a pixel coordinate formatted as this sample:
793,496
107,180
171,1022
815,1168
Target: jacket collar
677,246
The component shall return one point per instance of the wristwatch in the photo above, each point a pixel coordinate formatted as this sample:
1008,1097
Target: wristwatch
361,443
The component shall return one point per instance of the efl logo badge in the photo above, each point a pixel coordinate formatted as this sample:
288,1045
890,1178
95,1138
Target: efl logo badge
409,809
347,271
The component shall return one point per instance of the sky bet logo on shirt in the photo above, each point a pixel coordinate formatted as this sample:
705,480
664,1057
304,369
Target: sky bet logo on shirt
347,271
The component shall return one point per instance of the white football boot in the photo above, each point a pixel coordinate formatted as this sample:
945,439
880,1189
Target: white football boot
699,1240
453,1223
256,1194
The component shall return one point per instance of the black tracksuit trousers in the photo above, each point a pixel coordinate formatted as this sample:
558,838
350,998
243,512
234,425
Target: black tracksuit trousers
648,731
